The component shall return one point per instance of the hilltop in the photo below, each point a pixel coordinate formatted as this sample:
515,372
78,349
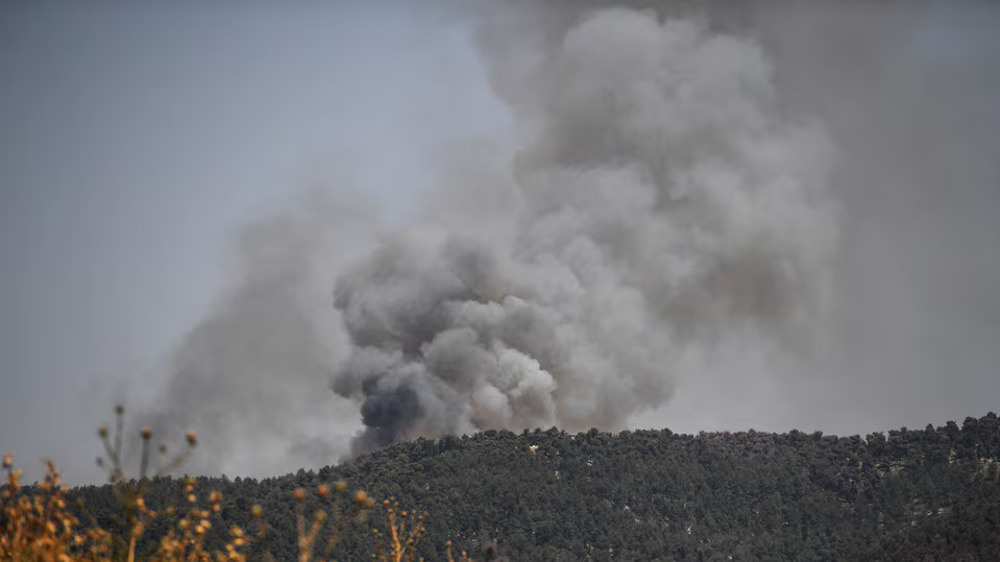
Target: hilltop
657,495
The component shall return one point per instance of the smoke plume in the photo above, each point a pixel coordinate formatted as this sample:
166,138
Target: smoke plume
250,376
662,197
667,218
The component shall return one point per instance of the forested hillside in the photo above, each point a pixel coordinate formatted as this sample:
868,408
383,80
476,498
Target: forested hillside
653,495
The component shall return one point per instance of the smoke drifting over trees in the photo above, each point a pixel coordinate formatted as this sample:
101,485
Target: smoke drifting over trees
664,198
669,190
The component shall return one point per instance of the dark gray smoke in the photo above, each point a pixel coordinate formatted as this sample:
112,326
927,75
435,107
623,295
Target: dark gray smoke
665,222
662,197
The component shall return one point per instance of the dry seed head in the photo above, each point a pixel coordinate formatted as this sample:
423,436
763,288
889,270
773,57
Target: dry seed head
191,437
360,497
8,461
146,433
119,409
102,431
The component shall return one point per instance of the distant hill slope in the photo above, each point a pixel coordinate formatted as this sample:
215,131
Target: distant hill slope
654,495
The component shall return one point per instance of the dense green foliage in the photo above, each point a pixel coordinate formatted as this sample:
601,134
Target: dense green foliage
656,495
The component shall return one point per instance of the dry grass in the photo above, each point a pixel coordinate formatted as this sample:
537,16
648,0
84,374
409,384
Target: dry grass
399,542
37,526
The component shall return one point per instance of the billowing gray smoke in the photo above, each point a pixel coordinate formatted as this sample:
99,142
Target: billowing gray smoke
250,376
663,198
661,224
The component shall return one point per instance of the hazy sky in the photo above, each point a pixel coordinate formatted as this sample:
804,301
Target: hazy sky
134,141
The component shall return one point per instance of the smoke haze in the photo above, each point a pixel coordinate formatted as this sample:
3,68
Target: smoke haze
668,213
703,215
250,375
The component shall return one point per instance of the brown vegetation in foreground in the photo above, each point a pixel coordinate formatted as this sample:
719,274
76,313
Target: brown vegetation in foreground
37,524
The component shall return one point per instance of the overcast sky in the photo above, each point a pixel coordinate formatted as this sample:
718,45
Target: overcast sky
134,141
